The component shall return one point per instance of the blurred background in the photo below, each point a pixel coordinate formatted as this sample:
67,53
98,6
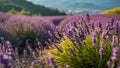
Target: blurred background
79,6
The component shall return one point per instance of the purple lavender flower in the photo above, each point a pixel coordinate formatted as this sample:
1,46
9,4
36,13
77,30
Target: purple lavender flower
104,35
50,41
58,28
5,61
72,51
51,60
82,35
55,33
60,50
107,27
49,32
117,28
100,26
11,53
25,53
114,55
79,42
109,63
113,41
30,49
112,21
101,50
113,58
67,26
70,33
94,41
88,16
74,24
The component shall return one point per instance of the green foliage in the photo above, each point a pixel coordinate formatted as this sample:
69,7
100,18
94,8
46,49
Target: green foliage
87,57
6,5
24,12
112,11
12,11
24,32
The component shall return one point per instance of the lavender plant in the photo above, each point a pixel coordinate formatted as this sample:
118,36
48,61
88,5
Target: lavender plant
10,58
85,45
24,28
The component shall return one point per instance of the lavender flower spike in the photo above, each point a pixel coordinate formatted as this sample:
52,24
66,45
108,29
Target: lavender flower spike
49,32
104,35
72,51
51,60
94,39
88,16
114,55
109,63
113,41
101,50
100,26
117,28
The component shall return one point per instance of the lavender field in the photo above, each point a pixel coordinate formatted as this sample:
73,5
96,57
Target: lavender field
78,41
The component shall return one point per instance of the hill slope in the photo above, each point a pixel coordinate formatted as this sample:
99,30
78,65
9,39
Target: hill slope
80,6
112,11
6,5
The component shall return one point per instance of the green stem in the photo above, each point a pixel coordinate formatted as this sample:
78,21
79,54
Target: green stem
100,62
113,64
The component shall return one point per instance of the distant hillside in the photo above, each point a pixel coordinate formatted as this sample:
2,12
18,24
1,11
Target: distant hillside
6,5
80,6
112,11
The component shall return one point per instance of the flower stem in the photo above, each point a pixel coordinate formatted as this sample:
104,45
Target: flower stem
100,62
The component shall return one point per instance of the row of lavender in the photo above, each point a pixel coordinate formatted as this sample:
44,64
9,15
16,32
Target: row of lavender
85,43
22,41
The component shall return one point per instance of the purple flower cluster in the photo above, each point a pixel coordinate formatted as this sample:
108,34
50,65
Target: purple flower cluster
101,50
79,29
114,57
52,61
4,61
10,57
72,51
115,52
7,54
94,41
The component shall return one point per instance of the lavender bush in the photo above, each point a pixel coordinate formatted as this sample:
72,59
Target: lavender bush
24,28
86,44
10,58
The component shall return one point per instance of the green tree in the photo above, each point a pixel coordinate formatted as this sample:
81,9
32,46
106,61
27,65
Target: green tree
12,11
24,12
